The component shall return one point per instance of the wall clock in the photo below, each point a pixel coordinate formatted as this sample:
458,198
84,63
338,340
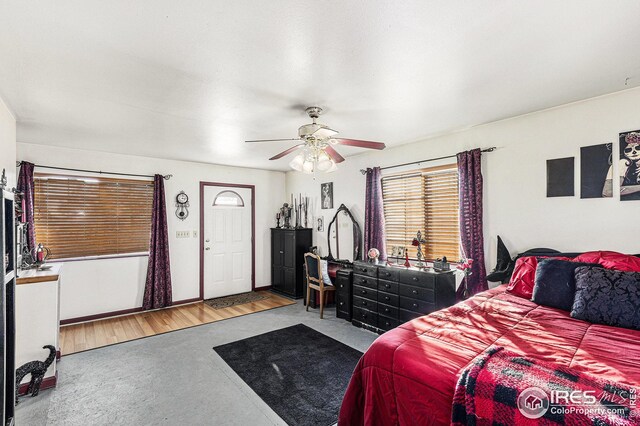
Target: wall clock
182,204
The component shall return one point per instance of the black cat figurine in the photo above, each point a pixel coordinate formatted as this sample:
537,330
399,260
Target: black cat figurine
37,370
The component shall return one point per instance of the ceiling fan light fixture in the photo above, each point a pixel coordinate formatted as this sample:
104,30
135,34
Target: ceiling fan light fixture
297,162
308,167
333,167
324,163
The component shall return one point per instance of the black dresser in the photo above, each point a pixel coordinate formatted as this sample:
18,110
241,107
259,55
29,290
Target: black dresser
288,247
385,296
344,296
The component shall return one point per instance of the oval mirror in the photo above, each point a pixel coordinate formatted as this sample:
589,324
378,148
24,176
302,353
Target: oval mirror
344,237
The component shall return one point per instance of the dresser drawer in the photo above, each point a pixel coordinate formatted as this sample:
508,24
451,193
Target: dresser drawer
416,305
366,292
342,287
343,299
365,269
387,324
365,281
388,311
388,286
405,315
361,302
388,298
365,316
342,305
417,278
389,274
417,293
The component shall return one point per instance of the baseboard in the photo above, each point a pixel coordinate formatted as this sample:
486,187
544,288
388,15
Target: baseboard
120,313
265,288
47,383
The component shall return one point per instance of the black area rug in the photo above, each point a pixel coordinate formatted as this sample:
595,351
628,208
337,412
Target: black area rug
300,373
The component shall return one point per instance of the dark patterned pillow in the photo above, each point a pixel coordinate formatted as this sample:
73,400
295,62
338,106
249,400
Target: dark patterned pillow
605,296
555,283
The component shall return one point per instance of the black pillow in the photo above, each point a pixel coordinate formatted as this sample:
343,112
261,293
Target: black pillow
605,296
555,284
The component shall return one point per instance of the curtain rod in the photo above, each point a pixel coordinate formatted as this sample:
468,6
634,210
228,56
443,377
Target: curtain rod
363,171
166,177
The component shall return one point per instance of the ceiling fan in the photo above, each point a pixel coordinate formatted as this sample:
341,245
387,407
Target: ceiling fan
317,142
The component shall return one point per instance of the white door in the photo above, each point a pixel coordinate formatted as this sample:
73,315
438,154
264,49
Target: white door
227,241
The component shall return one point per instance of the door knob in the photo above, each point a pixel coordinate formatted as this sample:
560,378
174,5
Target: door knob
207,240
207,248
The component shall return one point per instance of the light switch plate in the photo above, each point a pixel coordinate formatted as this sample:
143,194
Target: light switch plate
183,234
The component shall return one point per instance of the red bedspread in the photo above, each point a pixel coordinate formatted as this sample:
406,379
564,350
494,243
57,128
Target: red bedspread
409,374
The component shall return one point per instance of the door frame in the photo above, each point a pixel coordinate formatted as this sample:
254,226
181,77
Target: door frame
253,230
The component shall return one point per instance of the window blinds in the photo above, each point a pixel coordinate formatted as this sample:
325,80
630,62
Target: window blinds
79,216
426,200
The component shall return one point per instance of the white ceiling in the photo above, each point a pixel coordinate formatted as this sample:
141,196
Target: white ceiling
192,80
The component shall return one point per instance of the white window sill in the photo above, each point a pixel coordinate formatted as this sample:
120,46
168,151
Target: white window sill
106,256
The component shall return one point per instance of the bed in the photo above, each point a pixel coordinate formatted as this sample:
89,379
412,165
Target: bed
409,374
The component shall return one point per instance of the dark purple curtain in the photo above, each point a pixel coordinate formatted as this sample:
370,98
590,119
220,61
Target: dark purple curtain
25,186
374,214
471,233
157,291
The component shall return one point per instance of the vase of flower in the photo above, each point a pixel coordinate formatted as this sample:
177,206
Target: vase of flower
465,266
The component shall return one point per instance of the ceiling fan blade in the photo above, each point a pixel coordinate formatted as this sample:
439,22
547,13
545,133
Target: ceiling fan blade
274,140
287,152
333,154
324,132
360,144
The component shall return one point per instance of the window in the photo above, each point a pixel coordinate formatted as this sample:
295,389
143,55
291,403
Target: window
79,216
425,200
228,198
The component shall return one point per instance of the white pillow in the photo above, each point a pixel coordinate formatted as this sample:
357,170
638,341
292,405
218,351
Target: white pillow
325,272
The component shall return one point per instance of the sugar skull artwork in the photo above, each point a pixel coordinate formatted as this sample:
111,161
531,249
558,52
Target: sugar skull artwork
629,165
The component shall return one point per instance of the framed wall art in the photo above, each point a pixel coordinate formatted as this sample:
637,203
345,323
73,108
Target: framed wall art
326,195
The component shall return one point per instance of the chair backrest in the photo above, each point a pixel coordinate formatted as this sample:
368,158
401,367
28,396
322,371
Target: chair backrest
313,264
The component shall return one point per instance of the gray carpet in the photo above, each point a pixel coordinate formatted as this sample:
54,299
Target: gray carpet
173,378
300,373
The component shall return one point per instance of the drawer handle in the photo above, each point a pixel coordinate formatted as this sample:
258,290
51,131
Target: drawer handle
364,269
341,285
387,323
364,281
364,303
415,291
387,298
364,315
341,303
387,286
363,291
415,278
415,305
386,309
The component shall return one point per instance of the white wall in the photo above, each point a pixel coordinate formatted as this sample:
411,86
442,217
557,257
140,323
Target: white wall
8,144
515,203
106,285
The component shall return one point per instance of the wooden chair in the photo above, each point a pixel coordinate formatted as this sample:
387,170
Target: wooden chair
314,280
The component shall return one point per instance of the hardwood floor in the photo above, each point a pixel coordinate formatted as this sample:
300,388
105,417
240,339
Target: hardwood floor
95,334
